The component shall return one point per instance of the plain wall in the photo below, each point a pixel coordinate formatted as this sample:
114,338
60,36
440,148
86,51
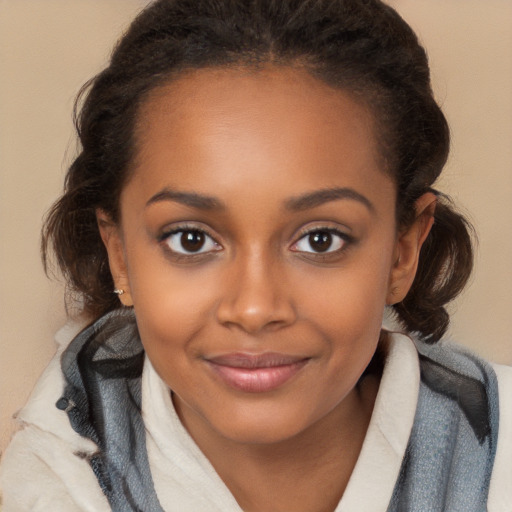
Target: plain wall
49,48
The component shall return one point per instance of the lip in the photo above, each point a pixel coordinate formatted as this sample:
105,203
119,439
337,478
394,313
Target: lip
256,373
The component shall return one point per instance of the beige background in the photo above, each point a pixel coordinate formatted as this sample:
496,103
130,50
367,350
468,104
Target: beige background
48,48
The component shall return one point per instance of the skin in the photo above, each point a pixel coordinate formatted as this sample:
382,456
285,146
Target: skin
260,145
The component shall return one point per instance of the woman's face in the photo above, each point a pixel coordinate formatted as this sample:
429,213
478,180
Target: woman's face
257,243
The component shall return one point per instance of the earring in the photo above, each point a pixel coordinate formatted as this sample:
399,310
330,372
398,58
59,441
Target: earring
118,291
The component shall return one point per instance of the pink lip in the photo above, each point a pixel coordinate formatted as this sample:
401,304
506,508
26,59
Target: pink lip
256,373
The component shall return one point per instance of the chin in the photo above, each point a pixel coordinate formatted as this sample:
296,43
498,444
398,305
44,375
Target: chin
262,425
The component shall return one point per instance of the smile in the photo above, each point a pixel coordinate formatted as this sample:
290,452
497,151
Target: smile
256,373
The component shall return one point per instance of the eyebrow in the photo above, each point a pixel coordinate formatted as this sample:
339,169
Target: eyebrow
326,195
191,199
300,203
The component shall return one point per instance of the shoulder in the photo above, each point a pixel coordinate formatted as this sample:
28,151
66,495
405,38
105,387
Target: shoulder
45,466
500,493
462,433
41,472
40,411
495,382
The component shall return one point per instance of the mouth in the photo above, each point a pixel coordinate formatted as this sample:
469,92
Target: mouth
256,373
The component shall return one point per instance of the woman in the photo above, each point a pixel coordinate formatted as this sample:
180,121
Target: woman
255,187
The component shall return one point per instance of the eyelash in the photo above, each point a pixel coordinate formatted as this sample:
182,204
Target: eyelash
165,238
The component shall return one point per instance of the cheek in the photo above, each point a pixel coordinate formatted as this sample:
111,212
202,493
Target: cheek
171,304
347,307
352,297
174,302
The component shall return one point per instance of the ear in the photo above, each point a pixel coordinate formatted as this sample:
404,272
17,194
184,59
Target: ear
111,235
407,250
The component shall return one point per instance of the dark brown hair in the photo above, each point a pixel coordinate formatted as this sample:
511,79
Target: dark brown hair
362,46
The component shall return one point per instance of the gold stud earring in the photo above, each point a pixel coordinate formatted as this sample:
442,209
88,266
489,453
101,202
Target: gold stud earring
118,291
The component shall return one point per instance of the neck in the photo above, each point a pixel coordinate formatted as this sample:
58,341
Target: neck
298,473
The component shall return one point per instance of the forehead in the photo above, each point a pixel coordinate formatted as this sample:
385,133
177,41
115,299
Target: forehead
224,128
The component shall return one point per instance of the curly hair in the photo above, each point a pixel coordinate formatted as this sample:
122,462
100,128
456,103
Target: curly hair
361,46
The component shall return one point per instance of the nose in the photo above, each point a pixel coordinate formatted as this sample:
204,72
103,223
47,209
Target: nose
256,296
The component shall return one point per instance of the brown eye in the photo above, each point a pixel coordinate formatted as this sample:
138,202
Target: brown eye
190,241
321,241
